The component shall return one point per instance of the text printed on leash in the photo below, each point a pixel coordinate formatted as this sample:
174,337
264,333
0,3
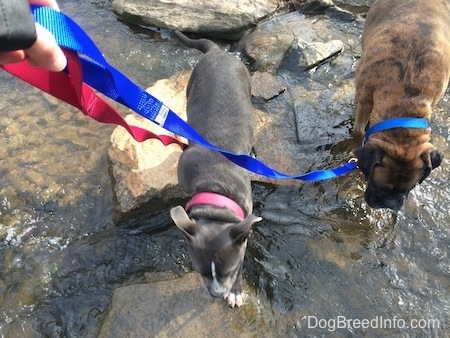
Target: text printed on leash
162,115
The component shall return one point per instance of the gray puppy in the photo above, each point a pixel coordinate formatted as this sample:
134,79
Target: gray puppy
218,219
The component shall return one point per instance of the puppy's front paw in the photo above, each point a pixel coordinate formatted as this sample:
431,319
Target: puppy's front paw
236,297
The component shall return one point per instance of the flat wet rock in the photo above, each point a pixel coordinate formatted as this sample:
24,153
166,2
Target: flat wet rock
174,307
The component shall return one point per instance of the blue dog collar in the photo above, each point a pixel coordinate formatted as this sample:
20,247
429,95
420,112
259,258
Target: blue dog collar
402,122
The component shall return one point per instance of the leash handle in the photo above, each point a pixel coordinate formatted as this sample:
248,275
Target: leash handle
72,90
17,26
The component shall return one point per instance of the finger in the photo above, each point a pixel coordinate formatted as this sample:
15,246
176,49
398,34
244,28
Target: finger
12,57
46,52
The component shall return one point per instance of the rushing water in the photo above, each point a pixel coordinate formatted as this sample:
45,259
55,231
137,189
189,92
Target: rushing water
319,255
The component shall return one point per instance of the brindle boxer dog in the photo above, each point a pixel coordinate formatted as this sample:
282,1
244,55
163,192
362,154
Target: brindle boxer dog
403,72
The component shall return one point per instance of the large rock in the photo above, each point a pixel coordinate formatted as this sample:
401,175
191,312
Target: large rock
304,56
316,40
176,307
268,43
218,18
145,174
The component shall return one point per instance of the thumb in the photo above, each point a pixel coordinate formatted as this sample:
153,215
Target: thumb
45,51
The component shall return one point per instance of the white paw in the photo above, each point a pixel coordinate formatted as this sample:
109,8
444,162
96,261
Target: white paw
235,300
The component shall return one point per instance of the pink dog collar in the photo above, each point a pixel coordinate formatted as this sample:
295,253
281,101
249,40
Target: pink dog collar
218,200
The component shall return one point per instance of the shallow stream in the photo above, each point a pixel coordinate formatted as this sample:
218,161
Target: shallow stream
320,254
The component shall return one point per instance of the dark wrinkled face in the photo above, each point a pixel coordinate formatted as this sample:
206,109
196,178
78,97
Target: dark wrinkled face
389,180
219,262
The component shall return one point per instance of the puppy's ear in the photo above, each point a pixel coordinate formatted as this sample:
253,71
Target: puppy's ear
432,160
183,222
240,231
368,158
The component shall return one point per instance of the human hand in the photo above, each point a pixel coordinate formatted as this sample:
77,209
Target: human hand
45,52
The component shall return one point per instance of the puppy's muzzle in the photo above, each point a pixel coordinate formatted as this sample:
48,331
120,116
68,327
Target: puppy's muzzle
378,198
217,293
216,290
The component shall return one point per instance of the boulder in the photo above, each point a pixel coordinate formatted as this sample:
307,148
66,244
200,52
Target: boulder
145,173
176,307
304,56
217,18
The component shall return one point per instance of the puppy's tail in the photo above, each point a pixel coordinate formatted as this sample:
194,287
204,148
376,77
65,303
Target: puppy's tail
203,45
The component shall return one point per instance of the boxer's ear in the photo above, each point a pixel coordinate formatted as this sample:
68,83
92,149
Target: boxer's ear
368,158
432,160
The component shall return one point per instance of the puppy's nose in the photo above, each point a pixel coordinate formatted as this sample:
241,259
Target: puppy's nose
386,203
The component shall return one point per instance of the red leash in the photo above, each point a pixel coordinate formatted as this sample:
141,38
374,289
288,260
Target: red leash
70,88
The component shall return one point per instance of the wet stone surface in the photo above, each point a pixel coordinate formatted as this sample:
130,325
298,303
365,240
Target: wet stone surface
181,307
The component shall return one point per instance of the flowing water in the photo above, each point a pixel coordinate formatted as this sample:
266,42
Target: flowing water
319,256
